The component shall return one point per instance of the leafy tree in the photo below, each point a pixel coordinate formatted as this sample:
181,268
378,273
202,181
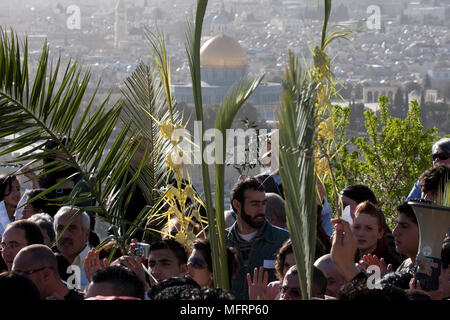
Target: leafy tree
388,158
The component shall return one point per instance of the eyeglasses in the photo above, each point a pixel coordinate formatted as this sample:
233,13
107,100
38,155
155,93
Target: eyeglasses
197,263
34,270
441,156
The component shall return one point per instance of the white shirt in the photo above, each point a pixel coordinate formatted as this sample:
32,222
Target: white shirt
248,237
79,262
4,218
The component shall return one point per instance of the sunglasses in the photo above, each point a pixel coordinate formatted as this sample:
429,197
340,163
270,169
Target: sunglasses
441,156
35,270
197,263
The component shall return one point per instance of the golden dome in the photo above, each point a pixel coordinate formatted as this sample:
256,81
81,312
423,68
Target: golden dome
222,51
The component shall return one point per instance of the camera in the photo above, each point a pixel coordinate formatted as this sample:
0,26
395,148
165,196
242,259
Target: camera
142,250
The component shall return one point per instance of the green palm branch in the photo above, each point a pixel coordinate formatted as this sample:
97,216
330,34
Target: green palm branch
146,106
234,99
53,104
148,103
299,118
193,41
231,104
297,134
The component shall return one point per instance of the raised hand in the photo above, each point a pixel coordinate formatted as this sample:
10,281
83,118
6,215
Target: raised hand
257,289
343,249
433,294
372,260
92,263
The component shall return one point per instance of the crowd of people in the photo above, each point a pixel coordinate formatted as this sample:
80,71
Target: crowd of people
50,254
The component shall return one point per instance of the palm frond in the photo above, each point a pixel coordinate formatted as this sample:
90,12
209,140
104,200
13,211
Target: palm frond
54,104
297,131
231,104
143,96
193,41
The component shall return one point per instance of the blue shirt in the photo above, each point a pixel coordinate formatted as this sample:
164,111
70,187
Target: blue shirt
415,193
261,251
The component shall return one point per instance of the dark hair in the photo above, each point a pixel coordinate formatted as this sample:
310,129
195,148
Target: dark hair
204,246
358,291
443,144
187,292
45,221
181,292
359,193
16,286
285,249
407,210
39,203
216,294
397,279
33,234
124,281
6,184
174,246
270,185
243,184
373,210
434,178
182,282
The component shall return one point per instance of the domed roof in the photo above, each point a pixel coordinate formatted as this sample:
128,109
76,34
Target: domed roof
222,51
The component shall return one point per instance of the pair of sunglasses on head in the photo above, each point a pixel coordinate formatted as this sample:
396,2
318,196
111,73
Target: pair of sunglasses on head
197,263
441,156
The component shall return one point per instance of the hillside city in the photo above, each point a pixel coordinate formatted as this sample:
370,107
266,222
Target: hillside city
410,41
397,47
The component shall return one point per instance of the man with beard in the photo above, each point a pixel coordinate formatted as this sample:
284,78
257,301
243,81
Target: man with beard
256,240
73,242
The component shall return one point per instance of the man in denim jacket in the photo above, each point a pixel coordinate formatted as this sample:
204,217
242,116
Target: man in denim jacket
256,240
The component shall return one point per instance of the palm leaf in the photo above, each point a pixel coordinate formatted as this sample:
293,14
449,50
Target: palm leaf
148,103
55,104
231,104
193,37
297,131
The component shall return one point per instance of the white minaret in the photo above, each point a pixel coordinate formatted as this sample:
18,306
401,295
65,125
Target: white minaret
120,23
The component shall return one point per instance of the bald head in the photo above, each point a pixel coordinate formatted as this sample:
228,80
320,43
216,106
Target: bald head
40,264
35,256
331,272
